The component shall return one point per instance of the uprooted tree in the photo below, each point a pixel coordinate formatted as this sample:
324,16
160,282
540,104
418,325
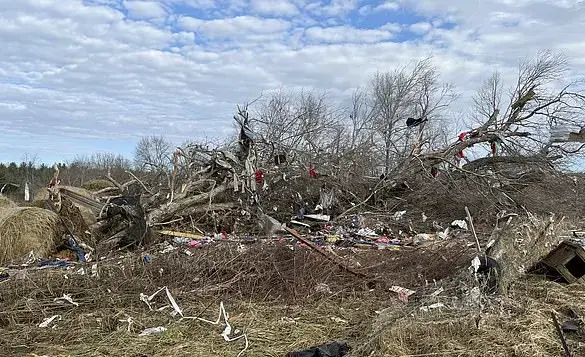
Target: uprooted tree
394,127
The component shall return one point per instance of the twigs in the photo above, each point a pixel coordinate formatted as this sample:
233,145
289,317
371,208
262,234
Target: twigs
470,219
561,335
139,181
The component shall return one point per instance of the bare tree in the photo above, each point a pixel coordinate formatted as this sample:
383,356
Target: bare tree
488,98
302,124
154,155
406,93
537,103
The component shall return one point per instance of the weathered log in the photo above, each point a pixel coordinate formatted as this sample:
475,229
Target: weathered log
209,208
192,186
170,210
106,190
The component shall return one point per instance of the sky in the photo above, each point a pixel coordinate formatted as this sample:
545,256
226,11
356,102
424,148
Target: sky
79,77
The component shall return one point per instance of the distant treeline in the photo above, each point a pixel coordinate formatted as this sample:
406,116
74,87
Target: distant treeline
14,176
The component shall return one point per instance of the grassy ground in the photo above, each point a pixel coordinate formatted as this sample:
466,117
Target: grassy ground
270,294
271,331
283,299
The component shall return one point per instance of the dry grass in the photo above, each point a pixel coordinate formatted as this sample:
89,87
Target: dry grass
28,229
6,202
269,293
517,325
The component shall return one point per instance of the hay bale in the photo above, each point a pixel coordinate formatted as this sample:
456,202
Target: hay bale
26,229
96,185
6,202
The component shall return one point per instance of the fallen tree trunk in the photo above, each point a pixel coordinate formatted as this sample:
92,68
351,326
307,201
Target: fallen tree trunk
125,222
171,210
209,208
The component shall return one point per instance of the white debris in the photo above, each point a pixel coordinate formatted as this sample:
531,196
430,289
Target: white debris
444,234
436,293
459,223
339,320
475,264
322,288
153,331
67,298
432,307
222,313
366,232
319,217
47,321
398,215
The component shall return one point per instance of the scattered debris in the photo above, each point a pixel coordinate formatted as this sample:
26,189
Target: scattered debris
67,297
153,331
398,215
403,293
332,349
459,224
318,217
437,305
47,321
568,259
166,229
227,331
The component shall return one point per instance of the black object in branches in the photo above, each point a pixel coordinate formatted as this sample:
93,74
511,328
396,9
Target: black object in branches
412,122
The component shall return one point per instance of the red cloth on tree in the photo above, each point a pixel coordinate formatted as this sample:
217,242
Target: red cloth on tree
259,177
495,147
434,171
312,172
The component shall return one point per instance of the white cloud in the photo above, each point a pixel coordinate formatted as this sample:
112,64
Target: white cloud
234,26
335,7
365,10
274,7
392,27
339,34
387,6
199,4
97,80
420,27
145,9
